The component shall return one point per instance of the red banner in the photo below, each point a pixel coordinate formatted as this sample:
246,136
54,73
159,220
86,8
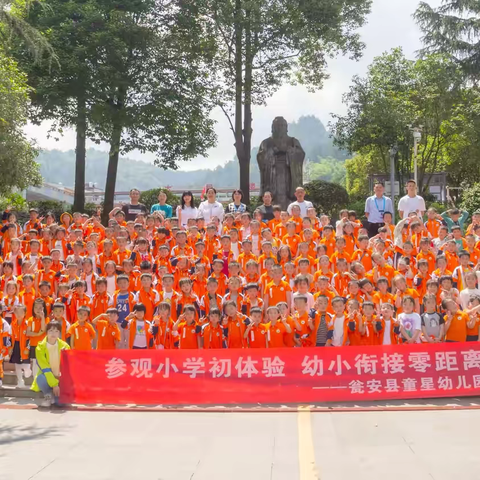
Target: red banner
270,376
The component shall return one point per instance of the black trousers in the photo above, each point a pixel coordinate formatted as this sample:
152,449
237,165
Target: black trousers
373,228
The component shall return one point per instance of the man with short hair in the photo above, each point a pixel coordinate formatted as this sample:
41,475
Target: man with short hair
411,202
301,202
267,207
375,207
132,209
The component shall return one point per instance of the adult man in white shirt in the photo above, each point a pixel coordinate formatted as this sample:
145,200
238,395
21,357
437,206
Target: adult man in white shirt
301,202
411,202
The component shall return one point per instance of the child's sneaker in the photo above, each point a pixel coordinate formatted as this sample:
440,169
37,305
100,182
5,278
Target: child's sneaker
47,401
27,372
20,383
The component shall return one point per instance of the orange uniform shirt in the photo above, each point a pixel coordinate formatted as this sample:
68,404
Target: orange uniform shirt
276,334
277,293
212,336
34,324
430,258
108,335
82,335
364,257
257,336
236,330
458,328
188,335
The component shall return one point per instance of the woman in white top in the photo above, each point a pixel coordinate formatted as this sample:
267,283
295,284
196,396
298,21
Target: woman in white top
210,208
187,209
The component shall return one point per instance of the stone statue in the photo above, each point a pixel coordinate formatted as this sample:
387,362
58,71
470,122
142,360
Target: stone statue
280,160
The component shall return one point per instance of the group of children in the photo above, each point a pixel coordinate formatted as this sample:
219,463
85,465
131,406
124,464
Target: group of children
242,283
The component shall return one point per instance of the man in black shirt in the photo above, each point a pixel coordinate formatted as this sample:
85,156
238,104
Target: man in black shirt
267,208
132,209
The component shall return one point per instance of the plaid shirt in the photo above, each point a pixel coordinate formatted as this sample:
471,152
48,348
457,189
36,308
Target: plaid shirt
232,208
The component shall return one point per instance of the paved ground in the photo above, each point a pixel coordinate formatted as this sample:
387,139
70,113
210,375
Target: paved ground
68,445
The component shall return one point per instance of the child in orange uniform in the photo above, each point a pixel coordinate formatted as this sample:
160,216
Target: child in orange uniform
212,332
256,331
36,328
20,355
82,333
107,328
185,330
278,328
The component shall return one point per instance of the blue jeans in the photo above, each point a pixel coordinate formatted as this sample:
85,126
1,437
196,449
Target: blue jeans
45,387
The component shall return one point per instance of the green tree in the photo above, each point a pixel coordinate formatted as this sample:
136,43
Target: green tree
153,79
395,94
17,154
64,92
263,44
327,169
13,25
132,75
453,29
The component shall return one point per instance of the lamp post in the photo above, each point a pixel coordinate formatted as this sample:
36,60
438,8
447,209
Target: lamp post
393,152
417,137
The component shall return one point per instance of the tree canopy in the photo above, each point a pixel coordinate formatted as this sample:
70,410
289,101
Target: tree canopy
396,95
452,29
17,154
262,44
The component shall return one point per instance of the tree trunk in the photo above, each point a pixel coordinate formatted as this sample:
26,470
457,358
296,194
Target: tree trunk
247,113
244,165
112,171
80,154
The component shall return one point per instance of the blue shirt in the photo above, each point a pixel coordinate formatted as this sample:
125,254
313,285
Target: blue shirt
123,307
166,209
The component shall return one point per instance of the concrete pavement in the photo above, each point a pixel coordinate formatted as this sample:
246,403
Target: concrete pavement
40,445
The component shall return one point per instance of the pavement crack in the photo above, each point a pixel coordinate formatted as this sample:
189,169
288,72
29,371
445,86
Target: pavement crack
409,446
42,469
196,468
273,456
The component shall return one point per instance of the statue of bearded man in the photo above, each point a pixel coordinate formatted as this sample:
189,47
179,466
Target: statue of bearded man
280,160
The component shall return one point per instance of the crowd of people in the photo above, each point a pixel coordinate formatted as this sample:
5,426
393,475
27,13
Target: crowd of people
214,276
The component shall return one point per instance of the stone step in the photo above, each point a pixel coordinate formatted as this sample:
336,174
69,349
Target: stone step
10,378
7,391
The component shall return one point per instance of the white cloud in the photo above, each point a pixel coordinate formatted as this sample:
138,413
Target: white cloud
390,25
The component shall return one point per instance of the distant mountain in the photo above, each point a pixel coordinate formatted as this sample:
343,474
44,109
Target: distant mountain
59,167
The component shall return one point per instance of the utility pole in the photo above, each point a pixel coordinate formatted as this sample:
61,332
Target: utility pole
417,137
393,153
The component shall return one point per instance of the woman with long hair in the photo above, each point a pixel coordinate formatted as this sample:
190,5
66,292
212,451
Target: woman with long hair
186,209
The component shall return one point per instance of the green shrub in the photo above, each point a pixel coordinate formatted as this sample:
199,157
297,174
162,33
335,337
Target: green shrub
46,206
150,197
357,205
327,197
439,206
471,198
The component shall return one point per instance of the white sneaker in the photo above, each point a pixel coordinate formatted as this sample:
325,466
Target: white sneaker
20,383
47,401
27,372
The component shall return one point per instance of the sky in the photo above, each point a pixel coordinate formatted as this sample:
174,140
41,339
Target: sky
389,25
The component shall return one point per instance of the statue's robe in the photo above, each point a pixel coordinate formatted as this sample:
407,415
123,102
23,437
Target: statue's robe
280,161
